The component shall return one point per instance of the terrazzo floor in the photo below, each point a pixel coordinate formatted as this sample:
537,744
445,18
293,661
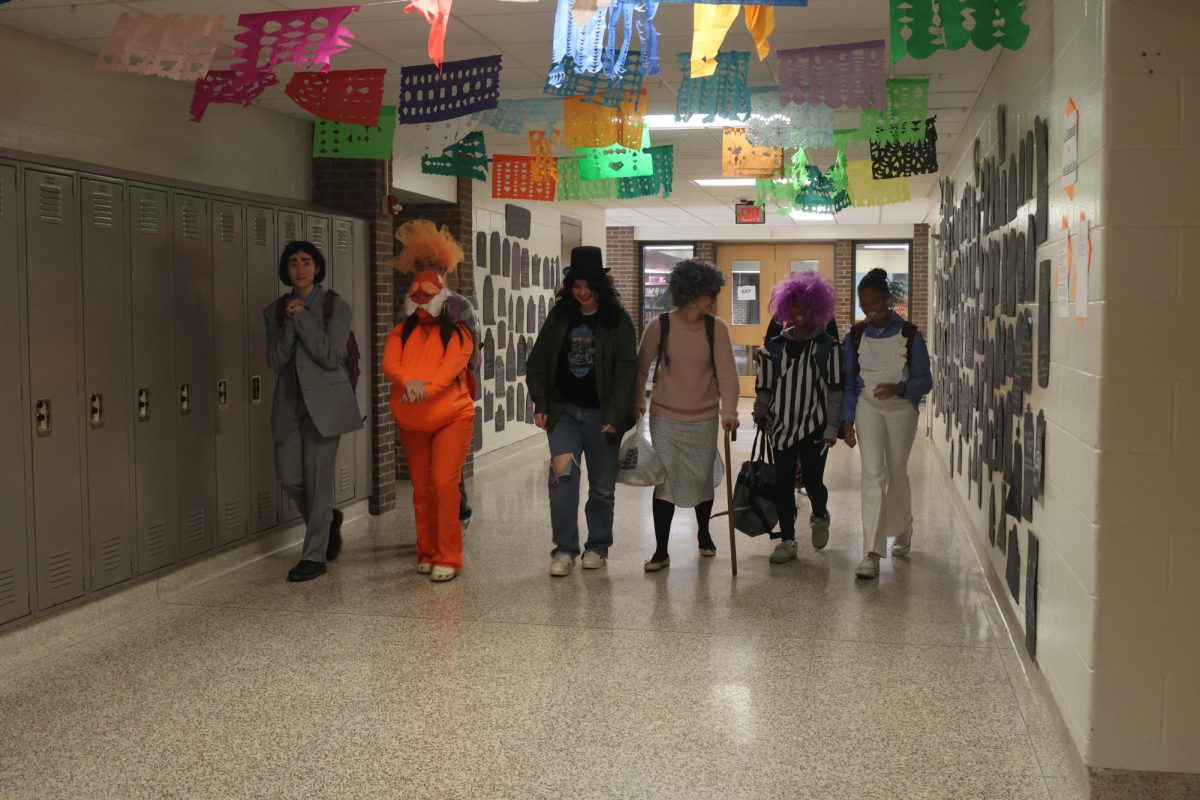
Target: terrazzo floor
791,681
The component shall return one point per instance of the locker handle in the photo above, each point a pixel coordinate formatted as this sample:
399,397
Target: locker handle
255,390
143,405
222,393
96,410
185,398
43,423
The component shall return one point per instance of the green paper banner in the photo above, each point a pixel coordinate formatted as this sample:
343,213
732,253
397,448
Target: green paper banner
343,140
661,182
571,186
466,158
919,30
616,161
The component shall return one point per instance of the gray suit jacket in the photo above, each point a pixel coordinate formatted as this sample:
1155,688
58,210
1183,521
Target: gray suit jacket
318,353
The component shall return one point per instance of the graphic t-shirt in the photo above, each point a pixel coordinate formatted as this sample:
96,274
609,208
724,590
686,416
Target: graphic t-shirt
576,377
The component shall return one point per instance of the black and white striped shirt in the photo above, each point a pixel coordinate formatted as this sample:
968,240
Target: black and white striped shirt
800,396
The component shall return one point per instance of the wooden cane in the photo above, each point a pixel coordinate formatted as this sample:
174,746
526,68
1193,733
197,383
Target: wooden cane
729,478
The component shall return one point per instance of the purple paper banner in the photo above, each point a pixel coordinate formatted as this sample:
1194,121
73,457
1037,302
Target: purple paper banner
428,94
851,75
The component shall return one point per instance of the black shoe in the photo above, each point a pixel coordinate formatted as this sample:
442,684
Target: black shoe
334,548
307,570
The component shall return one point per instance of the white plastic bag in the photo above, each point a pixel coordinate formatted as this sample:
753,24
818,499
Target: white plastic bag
638,464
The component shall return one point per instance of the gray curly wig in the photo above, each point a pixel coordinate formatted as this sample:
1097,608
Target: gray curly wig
692,278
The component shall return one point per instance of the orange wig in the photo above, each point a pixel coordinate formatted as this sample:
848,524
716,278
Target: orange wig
426,245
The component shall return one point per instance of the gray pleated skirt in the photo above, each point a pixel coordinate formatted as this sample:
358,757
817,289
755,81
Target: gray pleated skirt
687,450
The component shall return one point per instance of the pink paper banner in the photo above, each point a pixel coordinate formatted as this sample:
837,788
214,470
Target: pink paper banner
168,46
304,37
227,86
851,75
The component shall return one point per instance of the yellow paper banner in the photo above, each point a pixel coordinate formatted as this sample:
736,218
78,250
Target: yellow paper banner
740,159
710,23
865,191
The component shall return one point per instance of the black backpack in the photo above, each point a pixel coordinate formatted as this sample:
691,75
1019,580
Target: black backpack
352,354
664,328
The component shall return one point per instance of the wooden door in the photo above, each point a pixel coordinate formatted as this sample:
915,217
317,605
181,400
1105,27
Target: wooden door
752,271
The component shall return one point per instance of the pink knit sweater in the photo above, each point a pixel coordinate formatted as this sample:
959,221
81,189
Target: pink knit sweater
685,390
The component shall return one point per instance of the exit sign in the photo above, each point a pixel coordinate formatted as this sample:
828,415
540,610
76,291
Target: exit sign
749,214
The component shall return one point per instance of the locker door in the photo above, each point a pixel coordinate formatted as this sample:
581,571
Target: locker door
316,229
229,347
14,533
343,284
262,283
153,405
52,281
291,228
195,398
108,381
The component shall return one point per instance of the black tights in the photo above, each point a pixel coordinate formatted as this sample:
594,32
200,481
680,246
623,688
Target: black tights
664,512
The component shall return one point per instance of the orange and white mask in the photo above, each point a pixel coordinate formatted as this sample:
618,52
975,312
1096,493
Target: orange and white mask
426,295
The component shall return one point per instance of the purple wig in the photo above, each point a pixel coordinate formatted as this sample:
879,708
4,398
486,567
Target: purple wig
808,290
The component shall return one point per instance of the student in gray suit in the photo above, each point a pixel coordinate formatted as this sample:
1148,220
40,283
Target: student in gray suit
314,402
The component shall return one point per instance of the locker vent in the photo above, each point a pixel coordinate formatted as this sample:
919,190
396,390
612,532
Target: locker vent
62,569
233,515
316,235
291,230
261,231
345,480
50,203
226,226
102,209
195,525
110,554
148,215
266,504
156,540
8,587
343,241
190,219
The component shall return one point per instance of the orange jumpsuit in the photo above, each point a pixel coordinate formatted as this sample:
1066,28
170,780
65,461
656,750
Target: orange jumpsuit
435,432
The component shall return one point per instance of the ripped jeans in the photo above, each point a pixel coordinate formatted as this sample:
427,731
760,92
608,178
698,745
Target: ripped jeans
577,434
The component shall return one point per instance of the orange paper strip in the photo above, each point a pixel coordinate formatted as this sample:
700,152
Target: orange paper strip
541,148
591,124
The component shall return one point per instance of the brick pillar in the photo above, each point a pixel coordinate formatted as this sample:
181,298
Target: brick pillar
621,253
843,279
459,217
706,251
919,288
359,187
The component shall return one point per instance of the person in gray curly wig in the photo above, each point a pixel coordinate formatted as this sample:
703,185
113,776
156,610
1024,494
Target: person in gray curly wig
695,392
692,279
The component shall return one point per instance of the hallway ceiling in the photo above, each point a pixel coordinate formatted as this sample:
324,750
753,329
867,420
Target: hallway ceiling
387,37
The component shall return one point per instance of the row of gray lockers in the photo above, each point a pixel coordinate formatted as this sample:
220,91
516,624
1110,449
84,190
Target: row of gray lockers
135,406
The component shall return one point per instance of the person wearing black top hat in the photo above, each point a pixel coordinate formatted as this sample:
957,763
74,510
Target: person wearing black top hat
580,373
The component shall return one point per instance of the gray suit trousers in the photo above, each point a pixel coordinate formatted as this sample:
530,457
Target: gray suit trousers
305,460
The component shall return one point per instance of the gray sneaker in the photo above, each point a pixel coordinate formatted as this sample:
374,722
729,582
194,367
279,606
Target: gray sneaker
902,544
593,560
820,530
784,552
561,564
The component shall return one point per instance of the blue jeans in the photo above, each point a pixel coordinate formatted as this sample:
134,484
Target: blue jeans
578,434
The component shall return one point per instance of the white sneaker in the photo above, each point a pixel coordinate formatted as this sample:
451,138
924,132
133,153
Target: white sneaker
424,569
820,529
902,544
868,568
440,574
784,552
561,564
591,560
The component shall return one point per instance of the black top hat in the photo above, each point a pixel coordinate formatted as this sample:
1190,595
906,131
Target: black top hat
587,264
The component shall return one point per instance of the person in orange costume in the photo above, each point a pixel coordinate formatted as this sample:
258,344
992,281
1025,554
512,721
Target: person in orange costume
425,359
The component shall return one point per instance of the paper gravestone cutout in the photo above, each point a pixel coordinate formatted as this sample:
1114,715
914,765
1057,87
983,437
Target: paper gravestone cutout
1025,351
1022,191
499,376
1041,135
1002,532
525,270
536,273
431,93
1030,261
502,305
481,250
227,86
1012,569
510,309
519,321
519,253
510,404
494,253
489,302
506,259
541,312
303,37
1031,593
530,316
1014,197
510,361
852,75
1039,464
725,93
499,415
900,160
521,404
547,274
168,46
489,355
517,221
992,516
489,401
340,140
1029,456
477,435
501,335
347,95
522,355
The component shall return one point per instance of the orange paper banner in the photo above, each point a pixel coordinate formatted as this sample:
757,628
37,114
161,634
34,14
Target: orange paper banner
740,159
592,124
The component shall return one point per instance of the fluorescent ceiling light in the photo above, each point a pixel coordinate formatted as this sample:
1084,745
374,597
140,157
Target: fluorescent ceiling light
723,181
659,122
810,216
884,246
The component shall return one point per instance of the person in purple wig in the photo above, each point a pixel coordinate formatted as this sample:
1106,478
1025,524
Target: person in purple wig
798,401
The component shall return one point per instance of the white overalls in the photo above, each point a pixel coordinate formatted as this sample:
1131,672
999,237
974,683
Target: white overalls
886,430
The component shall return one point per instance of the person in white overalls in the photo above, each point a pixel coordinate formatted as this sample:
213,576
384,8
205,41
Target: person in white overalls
887,374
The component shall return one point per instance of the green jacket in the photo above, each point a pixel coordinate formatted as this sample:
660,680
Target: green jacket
616,369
